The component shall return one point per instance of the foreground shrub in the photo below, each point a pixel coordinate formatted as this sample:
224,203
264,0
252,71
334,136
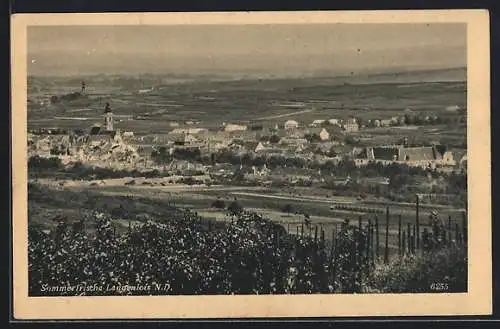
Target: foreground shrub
441,271
179,254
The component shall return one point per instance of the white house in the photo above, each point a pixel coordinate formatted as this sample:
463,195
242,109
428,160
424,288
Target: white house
234,127
291,124
453,108
324,134
350,126
386,122
186,139
448,159
334,122
192,131
260,147
463,162
317,123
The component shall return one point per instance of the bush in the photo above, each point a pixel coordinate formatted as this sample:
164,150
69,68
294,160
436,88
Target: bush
288,208
274,139
38,163
418,273
219,204
235,208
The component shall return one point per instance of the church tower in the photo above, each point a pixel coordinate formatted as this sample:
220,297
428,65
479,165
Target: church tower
108,118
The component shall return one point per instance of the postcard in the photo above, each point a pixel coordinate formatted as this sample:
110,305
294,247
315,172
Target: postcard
251,164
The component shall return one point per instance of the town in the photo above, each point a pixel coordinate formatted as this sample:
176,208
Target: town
261,153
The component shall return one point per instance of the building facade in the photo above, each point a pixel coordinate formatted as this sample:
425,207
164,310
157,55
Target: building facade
424,157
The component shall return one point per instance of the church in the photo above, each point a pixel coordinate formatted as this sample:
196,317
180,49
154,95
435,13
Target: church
108,127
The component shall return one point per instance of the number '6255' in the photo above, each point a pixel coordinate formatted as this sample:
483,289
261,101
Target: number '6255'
439,286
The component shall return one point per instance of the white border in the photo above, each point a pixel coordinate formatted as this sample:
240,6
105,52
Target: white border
478,299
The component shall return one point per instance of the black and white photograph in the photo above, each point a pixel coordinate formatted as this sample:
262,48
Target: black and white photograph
247,159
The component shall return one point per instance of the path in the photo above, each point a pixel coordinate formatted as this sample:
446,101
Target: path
284,115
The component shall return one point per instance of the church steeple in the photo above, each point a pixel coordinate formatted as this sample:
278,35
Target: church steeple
108,118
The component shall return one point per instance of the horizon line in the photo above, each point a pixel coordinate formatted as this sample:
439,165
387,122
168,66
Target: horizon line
243,72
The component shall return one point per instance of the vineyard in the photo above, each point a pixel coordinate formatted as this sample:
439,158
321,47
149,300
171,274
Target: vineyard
247,254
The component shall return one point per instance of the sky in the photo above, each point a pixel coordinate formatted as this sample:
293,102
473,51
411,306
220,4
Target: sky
291,49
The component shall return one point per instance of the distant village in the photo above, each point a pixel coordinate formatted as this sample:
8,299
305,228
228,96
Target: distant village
289,143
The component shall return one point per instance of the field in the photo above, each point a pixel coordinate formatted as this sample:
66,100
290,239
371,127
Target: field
159,202
268,101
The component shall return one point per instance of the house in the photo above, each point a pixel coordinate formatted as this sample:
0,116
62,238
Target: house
191,131
128,134
463,162
317,123
185,139
453,108
260,147
291,124
98,140
335,122
292,141
162,138
244,135
300,148
425,157
386,122
294,134
448,159
234,127
322,133
350,126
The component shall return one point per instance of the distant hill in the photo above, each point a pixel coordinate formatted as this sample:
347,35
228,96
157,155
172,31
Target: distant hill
426,75
38,84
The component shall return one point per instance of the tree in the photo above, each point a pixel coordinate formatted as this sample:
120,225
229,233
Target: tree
161,156
398,181
332,153
238,175
312,138
274,139
235,208
349,140
264,138
307,219
409,119
360,121
288,208
219,204
418,120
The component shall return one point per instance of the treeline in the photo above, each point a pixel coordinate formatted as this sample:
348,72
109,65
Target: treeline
66,97
410,119
41,167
